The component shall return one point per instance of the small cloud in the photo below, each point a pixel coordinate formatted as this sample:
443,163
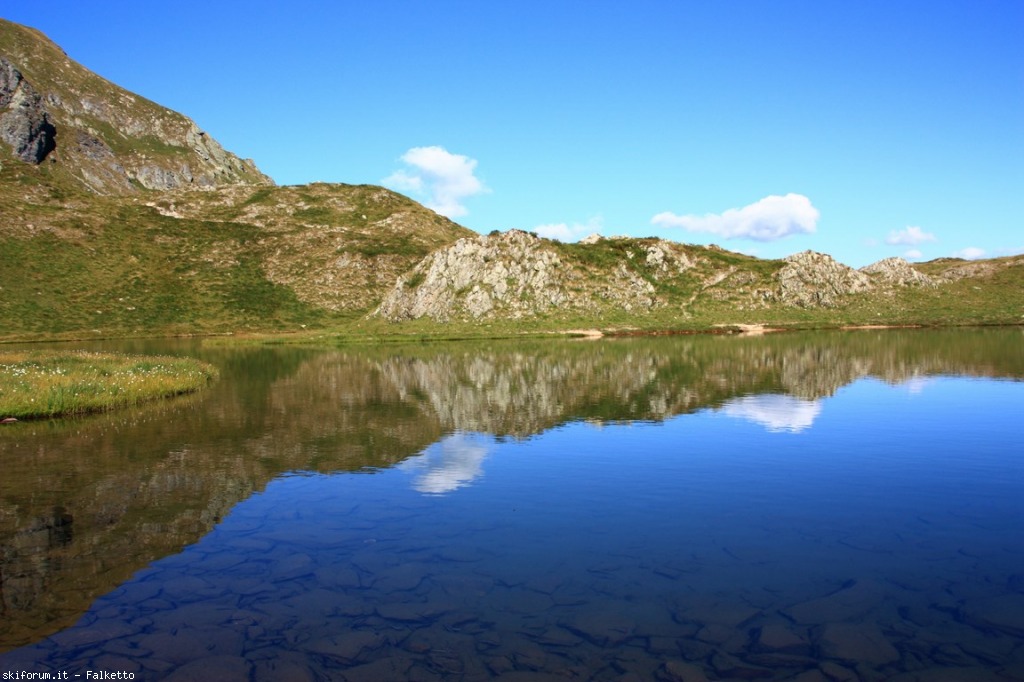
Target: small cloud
914,254
565,232
771,218
444,179
970,253
910,236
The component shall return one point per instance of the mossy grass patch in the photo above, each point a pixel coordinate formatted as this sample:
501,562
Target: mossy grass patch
42,384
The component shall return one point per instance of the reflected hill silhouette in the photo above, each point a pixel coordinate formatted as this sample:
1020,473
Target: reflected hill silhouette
86,503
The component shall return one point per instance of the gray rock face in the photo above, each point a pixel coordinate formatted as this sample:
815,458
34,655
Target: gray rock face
24,123
514,272
517,274
811,279
897,271
112,140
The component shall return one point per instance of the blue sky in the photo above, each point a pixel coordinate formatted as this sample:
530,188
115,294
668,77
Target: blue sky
860,129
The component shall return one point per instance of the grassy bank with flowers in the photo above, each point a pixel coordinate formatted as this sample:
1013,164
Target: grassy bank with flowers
41,384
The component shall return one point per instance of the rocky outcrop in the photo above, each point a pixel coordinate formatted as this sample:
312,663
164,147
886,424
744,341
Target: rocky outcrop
113,141
810,279
897,271
955,269
515,273
24,123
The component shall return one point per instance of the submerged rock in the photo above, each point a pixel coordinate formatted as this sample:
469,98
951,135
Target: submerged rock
780,637
856,643
853,600
1004,613
604,628
678,671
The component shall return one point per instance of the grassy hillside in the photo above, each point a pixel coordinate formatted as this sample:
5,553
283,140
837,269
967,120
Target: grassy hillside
230,259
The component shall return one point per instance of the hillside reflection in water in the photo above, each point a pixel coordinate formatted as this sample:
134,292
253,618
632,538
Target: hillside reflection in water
828,502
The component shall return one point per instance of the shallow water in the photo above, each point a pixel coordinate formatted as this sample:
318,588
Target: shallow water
810,507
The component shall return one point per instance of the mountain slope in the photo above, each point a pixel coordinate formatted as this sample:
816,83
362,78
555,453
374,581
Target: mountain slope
105,138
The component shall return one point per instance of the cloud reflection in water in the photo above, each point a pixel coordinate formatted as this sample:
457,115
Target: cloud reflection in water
451,463
775,412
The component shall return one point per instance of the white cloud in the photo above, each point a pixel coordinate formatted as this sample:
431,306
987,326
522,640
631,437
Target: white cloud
913,254
447,465
565,232
775,412
444,179
970,253
911,235
771,218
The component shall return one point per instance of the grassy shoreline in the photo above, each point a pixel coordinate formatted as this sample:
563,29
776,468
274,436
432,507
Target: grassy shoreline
44,384
370,332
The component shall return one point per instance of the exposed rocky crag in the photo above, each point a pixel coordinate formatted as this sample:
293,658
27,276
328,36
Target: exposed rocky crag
897,271
955,269
811,279
516,274
24,123
110,140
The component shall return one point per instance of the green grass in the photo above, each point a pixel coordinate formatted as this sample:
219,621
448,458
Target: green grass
416,280
40,384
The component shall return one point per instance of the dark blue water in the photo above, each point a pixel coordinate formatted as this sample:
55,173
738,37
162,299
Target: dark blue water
872,533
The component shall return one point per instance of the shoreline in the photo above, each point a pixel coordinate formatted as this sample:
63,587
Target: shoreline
483,332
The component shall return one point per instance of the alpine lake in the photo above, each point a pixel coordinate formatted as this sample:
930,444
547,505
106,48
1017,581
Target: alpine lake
818,507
